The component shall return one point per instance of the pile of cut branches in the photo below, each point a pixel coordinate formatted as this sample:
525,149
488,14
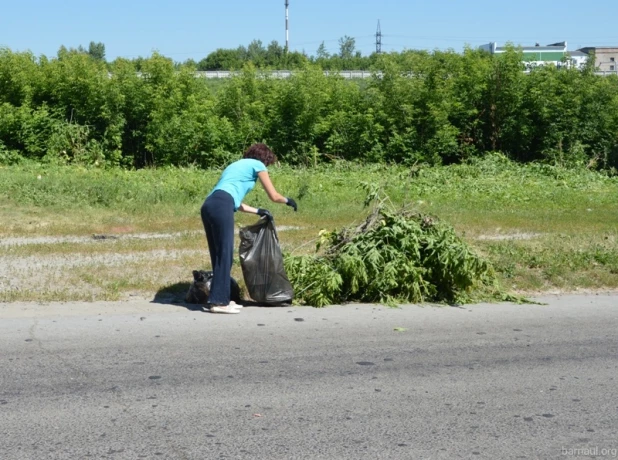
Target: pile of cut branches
395,256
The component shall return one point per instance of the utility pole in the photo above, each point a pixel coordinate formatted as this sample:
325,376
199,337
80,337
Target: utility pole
378,39
287,33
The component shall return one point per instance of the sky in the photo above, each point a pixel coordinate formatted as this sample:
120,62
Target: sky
187,29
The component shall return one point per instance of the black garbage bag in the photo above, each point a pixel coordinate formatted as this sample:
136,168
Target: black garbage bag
261,261
200,288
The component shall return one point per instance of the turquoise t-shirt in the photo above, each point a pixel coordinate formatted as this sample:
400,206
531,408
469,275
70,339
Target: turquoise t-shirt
239,178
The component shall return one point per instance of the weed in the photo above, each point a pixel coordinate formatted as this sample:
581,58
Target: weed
396,255
569,219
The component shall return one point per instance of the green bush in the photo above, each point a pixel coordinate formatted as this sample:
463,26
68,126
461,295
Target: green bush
395,256
419,107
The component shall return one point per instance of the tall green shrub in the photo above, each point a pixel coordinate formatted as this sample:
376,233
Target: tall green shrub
418,107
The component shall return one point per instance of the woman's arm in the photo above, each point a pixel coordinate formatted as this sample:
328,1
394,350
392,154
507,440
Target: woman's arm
259,211
246,208
270,188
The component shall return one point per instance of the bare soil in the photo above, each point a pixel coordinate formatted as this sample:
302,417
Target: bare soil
34,275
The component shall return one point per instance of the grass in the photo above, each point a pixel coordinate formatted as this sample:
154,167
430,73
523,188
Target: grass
544,228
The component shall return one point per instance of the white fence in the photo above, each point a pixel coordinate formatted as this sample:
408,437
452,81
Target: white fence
347,74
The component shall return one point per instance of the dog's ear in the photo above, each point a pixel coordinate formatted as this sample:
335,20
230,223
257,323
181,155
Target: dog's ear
196,275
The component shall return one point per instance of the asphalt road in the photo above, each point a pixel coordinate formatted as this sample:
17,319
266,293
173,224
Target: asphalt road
142,380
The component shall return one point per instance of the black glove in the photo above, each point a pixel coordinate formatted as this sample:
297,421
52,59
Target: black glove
264,212
292,203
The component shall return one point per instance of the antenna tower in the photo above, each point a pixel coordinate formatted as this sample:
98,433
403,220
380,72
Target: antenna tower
287,29
378,39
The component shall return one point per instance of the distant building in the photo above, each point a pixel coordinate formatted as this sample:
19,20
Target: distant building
536,55
578,58
605,57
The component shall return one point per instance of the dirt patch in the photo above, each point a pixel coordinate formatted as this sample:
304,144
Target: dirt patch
26,240
73,274
510,236
40,273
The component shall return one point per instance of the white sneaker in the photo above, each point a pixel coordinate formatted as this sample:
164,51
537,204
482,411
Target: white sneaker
229,309
235,305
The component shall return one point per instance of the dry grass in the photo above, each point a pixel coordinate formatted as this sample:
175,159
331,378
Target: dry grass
541,234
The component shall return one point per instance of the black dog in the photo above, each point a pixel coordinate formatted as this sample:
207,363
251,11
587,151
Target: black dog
200,288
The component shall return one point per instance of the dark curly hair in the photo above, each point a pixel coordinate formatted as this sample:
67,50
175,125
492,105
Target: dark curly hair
262,153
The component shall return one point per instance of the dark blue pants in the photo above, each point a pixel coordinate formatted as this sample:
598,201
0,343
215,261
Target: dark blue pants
218,219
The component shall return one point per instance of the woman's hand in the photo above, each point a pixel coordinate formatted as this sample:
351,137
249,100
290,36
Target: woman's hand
264,212
291,202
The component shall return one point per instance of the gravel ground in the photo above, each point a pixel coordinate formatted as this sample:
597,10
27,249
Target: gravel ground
45,272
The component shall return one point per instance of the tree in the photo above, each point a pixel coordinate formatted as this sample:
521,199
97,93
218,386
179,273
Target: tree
346,47
221,59
295,60
187,63
256,53
274,54
97,51
322,53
